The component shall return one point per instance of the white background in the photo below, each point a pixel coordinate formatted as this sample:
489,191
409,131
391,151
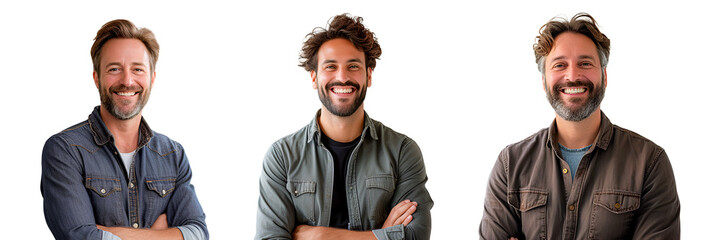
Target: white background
457,77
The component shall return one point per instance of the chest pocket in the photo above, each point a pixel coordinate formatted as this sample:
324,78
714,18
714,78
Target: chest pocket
106,196
379,191
303,193
612,215
158,194
532,205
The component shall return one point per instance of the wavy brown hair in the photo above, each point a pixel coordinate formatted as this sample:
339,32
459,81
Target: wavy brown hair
122,28
341,26
581,23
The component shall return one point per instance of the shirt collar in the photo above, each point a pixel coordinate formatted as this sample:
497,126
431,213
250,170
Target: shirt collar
102,135
602,139
314,130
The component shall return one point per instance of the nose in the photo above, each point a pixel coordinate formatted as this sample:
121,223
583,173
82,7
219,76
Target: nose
573,73
127,79
342,75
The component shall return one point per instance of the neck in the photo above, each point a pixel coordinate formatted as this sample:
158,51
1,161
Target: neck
579,134
125,132
341,129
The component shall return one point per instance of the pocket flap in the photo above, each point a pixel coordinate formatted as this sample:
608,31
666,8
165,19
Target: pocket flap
300,187
617,202
527,199
384,182
162,187
103,186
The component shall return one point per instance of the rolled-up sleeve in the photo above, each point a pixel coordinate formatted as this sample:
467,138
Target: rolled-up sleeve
412,186
276,213
67,207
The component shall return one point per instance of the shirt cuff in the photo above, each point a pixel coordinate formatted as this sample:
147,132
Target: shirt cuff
109,236
191,232
390,233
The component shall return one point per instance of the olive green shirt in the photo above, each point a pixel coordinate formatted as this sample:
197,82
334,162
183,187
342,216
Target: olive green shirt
385,168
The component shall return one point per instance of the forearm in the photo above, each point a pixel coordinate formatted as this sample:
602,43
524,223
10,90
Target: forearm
303,232
132,233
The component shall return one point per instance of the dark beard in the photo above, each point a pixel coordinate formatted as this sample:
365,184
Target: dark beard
337,110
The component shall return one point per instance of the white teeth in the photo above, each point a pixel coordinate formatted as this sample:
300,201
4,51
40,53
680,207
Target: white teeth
126,93
574,90
342,90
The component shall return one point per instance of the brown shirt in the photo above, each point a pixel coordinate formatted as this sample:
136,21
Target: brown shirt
624,189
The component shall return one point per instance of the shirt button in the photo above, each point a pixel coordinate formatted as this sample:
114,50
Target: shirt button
135,225
565,171
102,190
163,191
296,192
130,185
571,208
617,205
116,153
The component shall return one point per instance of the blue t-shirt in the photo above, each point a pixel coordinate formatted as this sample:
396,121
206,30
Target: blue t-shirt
573,157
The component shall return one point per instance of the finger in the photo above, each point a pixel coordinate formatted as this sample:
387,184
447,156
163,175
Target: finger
400,208
405,215
408,220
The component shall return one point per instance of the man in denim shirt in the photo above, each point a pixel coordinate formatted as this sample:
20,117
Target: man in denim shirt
111,176
345,175
583,177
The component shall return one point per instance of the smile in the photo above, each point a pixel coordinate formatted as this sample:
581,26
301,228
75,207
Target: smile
126,94
342,90
575,90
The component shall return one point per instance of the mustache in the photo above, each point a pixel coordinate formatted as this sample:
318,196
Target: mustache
342,84
122,88
580,83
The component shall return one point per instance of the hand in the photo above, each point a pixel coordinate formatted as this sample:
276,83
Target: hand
161,222
401,214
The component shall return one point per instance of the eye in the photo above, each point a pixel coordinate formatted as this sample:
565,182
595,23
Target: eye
113,69
586,64
354,67
139,70
330,67
558,65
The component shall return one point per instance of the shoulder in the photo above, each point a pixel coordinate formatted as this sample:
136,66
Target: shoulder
163,145
388,135
78,134
533,143
626,139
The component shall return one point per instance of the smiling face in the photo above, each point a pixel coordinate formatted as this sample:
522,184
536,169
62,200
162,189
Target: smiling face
574,79
124,80
342,77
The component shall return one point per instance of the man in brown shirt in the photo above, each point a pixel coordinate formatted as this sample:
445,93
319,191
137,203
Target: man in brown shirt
583,177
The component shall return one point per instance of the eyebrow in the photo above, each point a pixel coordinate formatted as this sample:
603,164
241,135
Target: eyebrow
119,64
335,61
580,57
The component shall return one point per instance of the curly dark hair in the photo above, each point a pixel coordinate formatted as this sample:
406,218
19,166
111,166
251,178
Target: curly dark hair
581,23
341,26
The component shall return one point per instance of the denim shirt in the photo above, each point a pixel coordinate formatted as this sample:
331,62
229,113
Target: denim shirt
84,182
624,188
385,168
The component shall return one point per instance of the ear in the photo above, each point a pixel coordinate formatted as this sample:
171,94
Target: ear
152,80
313,78
370,77
543,81
605,78
95,78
